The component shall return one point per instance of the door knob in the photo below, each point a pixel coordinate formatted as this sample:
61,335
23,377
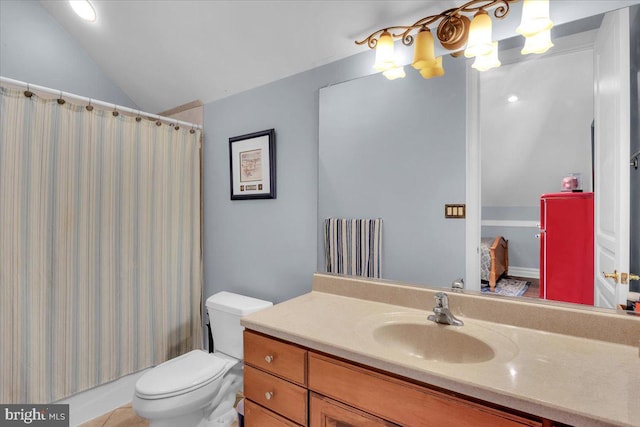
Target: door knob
624,277
613,276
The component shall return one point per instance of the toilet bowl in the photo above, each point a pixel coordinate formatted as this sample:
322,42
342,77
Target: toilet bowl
198,389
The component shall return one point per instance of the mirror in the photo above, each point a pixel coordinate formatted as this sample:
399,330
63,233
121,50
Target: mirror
396,150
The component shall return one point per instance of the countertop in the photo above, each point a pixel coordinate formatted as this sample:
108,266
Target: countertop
574,380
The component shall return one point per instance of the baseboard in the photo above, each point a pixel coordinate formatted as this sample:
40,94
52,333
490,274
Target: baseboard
532,273
99,400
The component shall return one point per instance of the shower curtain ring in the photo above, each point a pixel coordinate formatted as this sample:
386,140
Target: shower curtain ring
176,126
115,111
138,118
60,100
28,92
89,107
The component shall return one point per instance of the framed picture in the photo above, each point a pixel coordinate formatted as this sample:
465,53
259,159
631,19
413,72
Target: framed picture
252,159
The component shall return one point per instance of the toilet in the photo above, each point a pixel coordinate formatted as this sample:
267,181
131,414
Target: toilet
198,389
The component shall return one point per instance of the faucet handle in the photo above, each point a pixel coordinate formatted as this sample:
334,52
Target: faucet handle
442,300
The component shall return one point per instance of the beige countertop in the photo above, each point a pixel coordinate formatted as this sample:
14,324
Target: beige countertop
572,379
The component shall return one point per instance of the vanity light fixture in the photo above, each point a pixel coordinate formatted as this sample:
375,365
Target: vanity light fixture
84,9
455,30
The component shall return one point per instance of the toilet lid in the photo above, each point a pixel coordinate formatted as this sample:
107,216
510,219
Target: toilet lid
182,374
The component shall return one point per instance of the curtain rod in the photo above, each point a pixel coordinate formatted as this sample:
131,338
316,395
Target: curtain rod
121,108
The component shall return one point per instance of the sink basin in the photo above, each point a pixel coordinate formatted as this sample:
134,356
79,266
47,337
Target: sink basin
413,335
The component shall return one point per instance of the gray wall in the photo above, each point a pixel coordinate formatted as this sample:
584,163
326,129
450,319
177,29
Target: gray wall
267,248
395,150
35,49
634,14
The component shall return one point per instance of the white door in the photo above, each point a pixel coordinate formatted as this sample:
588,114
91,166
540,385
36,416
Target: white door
612,133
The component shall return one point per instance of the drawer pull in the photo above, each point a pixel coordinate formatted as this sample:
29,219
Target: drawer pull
268,395
268,359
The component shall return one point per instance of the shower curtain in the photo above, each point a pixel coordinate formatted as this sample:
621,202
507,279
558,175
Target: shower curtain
100,246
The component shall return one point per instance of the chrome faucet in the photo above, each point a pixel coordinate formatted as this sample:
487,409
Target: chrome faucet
441,311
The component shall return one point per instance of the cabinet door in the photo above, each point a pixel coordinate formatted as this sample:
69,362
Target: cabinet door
402,402
325,412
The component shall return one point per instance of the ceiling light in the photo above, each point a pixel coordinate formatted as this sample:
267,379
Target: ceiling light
535,17
83,9
394,73
454,30
513,98
539,43
488,61
423,55
433,70
384,52
480,42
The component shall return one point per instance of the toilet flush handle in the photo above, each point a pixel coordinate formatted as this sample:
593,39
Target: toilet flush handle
268,358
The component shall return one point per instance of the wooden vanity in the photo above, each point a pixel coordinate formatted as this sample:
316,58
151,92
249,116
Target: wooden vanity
289,385
319,360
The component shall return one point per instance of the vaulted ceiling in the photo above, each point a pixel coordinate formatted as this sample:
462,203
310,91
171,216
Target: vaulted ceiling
166,53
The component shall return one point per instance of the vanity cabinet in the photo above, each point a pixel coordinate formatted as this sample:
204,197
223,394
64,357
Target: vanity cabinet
275,382
320,390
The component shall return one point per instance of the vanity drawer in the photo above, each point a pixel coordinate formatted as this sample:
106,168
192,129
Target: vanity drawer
256,415
400,401
285,360
276,394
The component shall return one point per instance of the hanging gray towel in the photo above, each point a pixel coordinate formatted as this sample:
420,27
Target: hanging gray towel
353,246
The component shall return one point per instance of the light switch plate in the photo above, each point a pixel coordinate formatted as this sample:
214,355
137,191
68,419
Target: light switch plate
454,210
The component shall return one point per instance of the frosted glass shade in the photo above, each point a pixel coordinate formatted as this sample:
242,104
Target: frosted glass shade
535,18
479,42
434,70
394,73
539,43
384,52
423,53
486,62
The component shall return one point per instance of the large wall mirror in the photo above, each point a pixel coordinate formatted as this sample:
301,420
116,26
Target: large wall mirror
397,150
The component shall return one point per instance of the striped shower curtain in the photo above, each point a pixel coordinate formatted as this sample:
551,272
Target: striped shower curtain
100,253
353,246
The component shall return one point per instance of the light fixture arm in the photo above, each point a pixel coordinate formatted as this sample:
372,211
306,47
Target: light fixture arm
453,28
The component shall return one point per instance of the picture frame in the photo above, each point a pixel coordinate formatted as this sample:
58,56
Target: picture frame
252,165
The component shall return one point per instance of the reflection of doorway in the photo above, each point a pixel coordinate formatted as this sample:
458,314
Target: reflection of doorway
535,129
474,170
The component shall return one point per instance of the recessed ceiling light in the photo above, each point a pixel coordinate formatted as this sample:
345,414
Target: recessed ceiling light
83,9
512,98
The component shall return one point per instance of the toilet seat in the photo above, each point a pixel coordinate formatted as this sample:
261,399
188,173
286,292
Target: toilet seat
181,375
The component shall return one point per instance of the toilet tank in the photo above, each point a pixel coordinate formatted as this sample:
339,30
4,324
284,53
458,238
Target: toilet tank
225,310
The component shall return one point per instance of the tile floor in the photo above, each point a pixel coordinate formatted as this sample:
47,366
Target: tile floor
122,417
